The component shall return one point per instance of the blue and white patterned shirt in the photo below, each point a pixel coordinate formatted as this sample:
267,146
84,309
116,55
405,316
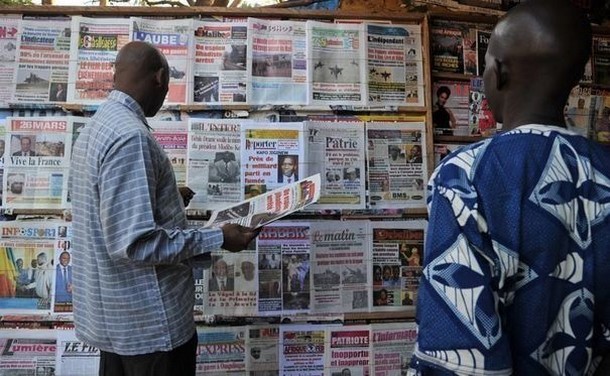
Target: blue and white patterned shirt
517,260
133,286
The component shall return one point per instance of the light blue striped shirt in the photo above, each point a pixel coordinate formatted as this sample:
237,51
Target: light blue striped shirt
133,286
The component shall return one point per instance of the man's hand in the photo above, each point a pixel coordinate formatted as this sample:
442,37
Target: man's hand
237,238
187,195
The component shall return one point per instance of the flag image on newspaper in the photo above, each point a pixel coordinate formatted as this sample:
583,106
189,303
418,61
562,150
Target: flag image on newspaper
270,206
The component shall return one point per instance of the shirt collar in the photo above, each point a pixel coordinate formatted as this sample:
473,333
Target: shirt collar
127,101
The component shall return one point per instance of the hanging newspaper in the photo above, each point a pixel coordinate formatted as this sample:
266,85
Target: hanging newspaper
2,156
220,69
94,45
173,38
27,251
397,263
42,61
349,351
392,346
10,34
37,161
229,287
273,154
74,357
263,350
336,151
271,206
27,352
337,62
214,163
284,269
221,350
278,54
395,66
172,136
397,165
340,259
303,350
62,291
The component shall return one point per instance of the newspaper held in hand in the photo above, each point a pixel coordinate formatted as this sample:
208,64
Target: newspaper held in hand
270,206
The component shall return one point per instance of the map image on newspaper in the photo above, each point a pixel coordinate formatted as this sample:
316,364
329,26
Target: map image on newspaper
270,206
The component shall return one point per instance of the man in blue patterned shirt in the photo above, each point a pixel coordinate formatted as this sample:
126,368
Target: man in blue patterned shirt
517,258
133,289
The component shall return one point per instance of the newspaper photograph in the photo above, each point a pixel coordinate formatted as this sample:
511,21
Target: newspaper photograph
74,357
263,350
397,263
284,268
337,62
303,349
94,45
443,150
27,254
397,164
27,352
221,350
395,65
272,155
270,206
340,259
172,137
173,38
221,73
42,61
62,296
278,54
336,151
10,35
229,286
392,347
37,161
350,352
214,162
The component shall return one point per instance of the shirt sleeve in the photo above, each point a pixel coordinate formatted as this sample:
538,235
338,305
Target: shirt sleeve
458,308
132,185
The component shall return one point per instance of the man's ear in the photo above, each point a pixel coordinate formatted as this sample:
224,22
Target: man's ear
500,74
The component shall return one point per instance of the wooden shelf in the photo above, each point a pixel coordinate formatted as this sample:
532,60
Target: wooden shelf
457,139
451,76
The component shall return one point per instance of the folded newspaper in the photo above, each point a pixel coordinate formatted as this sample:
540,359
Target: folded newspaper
270,206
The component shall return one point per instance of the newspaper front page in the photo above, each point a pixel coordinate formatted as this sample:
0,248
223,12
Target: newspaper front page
27,254
284,268
350,351
214,163
397,164
395,66
172,137
336,151
42,61
10,34
397,263
37,161
220,69
173,38
74,357
263,350
303,350
94,45
221,350
337,62
278,54
392,346
340,255
27,352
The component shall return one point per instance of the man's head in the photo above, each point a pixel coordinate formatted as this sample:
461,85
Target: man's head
64,258
142,72
351,174
255,352
288,165
220,268
415,151
247,269
394,151
41,259
387,272
26,144
346,372
536,54
19,264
